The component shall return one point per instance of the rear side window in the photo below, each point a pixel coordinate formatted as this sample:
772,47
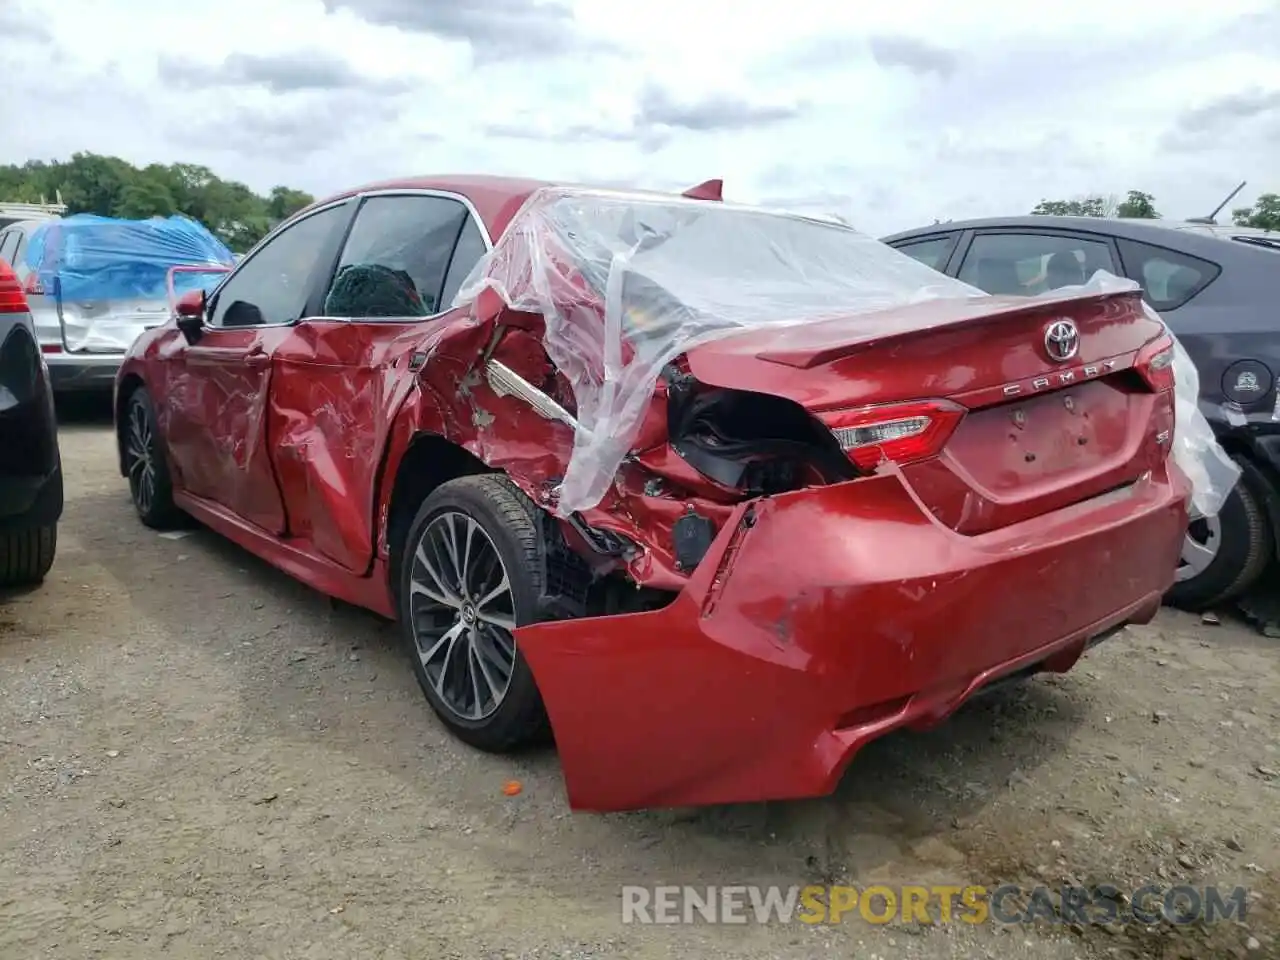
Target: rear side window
1025,264
470,249
932,252
395,260
1168,278
8,246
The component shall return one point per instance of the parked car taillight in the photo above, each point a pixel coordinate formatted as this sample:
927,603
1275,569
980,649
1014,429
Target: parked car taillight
1155,363
901,432
33,287
12,299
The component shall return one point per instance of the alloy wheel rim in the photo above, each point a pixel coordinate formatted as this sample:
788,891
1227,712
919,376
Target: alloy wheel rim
1200,547
141,464
462,614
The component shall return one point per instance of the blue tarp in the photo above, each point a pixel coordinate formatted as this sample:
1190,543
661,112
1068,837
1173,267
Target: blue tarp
87,257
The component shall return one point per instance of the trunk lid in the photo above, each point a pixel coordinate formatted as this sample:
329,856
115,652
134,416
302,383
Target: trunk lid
108,326
1038,433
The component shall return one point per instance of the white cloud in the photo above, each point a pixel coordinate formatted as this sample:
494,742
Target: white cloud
891,117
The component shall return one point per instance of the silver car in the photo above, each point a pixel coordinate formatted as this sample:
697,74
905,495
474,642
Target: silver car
83,341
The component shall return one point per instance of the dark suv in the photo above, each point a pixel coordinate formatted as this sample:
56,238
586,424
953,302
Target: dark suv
1218,288
30,464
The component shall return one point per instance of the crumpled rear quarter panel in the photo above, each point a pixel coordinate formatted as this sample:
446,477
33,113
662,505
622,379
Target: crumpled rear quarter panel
841,613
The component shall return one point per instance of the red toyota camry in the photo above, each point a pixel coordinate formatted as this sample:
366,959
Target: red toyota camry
713,494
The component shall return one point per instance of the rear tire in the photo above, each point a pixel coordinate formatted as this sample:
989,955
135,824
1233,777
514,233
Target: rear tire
150,484
27,555
457,623
1236,547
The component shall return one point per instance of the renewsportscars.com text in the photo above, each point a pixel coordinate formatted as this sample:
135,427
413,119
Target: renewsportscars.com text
971,904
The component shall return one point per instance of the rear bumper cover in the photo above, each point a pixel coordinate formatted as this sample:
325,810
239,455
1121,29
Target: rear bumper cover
823,619
70,372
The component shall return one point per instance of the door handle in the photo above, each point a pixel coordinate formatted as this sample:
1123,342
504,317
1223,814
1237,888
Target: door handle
257,357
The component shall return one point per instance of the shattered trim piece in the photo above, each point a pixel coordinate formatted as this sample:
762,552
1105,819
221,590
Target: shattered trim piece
506,382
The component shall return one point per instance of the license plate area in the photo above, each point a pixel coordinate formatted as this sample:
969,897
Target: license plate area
1017,447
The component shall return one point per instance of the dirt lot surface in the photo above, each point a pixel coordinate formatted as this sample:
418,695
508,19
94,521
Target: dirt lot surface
200,757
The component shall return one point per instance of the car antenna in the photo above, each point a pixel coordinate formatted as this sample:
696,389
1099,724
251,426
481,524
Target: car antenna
1210,219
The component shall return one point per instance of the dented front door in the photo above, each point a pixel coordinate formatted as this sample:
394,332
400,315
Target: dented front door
220,386
218,431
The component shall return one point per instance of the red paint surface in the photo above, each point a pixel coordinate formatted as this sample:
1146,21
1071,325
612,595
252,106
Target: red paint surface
843,612
836,600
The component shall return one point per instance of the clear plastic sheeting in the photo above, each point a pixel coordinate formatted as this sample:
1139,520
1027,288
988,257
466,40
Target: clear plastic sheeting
1195,449
666,274
91,258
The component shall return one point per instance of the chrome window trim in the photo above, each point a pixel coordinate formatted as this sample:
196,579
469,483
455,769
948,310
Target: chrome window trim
417,192
381,192
253,252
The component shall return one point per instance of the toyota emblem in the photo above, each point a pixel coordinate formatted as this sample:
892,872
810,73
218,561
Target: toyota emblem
1061,340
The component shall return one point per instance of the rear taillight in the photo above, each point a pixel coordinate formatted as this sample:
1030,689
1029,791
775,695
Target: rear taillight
12,299
900,432
1155,363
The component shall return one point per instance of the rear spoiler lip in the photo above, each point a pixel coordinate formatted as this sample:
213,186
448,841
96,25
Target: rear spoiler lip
849,341
707,190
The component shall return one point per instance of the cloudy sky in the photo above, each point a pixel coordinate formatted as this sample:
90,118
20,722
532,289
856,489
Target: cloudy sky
892,116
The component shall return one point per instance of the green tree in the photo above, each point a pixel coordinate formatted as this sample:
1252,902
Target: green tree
145,198
95,184
1264,214
1091,206
285,202
1138,206
110,186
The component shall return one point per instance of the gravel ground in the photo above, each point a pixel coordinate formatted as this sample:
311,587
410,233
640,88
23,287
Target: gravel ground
200,757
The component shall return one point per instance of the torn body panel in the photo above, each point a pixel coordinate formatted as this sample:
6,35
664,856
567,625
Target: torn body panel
800,637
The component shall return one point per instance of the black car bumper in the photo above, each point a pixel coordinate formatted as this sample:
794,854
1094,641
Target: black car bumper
27,502
30,463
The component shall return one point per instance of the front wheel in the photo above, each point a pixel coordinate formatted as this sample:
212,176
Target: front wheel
150,485
470,574
1223,556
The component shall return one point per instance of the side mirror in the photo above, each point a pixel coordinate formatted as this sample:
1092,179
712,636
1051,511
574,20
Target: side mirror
190,313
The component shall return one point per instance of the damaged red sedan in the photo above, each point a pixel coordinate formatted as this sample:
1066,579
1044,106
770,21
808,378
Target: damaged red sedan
713,494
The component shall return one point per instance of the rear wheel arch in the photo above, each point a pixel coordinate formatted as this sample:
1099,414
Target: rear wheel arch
1263,479
429,460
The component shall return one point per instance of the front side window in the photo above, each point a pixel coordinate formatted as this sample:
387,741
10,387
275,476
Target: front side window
396,257
933,252
1026,264
272,285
